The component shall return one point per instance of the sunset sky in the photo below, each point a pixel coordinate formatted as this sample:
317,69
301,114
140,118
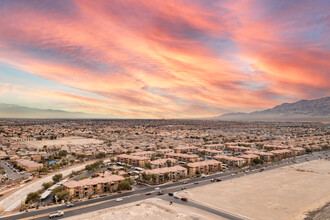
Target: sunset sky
163,59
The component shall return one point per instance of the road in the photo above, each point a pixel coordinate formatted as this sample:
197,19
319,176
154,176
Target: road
11,173
223,214
138,195
12,200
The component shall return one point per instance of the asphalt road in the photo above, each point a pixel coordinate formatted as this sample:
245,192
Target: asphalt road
223,214
137,195
12,174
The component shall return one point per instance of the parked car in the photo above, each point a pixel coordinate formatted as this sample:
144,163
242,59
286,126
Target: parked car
56,214
119,200
185,182
160,193
196,182
69,205
218,180
148,193
184,199
170,194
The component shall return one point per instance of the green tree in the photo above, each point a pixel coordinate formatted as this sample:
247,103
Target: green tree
62,195
44,170
63,153
83,177
257,161
57,189
148,165
100,155
46,185
124,185
57,177
154,178
32,197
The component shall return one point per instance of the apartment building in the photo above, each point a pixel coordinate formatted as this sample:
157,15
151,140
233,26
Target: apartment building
183,157
214,146
160,163
144,154
185,150
211,153
204,167
162,175
265,156
274,147
237,148
281,154
298,150
88,187
231,161
249,157
165,151
133,160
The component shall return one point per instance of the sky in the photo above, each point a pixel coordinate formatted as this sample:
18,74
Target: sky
163,59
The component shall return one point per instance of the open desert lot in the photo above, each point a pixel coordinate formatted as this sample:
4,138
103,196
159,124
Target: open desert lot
148,210
63,141
284,193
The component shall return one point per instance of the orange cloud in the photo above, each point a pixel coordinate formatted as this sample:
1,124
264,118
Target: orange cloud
167,58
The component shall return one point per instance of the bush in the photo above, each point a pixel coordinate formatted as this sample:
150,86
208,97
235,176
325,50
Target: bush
56,178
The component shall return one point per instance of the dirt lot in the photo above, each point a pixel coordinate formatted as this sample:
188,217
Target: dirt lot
284,193
63,141
150,209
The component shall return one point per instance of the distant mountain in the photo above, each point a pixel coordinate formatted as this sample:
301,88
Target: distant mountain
17,111
303,110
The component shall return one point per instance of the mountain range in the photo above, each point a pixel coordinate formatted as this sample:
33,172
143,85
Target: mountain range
17,111
303,110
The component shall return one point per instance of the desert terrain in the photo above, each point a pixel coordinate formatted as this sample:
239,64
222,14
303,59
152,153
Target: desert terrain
148,210
284,193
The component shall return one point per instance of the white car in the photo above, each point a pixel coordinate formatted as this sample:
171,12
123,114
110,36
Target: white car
157,188
119,199
56,214
177,197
